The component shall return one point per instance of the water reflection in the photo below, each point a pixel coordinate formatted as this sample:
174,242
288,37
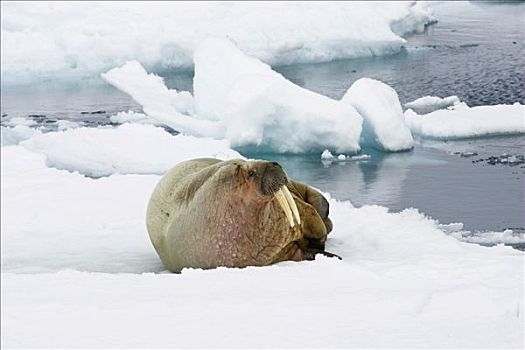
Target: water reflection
378,180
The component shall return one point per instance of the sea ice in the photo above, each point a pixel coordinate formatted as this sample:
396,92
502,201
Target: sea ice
15,135
468,122
242,100
127,149
262,110
428,104
74,248
327,155
133,117
384,125
50,41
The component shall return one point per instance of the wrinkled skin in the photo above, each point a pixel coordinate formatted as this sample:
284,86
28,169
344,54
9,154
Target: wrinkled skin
206,213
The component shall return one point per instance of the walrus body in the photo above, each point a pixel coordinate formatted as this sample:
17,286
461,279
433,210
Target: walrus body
206,213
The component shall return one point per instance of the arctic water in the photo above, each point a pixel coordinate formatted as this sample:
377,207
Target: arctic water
474,52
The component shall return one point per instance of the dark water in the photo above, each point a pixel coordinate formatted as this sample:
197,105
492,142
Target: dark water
475,51
433,179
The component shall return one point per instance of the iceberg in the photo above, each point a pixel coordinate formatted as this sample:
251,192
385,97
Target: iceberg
72,41
262,110
242,100
384,125
466,122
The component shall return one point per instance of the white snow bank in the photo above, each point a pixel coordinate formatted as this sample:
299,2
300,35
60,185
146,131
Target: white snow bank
127,149
71,221
401,277
77,40
427,104
242,100
384,125
468,122
15,135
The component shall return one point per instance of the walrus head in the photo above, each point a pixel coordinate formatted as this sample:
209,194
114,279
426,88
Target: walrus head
268,180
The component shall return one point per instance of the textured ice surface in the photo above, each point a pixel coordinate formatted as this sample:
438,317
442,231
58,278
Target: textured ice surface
462,121
242,100
53,41
127,149
427,104
258,107
383,122
76,257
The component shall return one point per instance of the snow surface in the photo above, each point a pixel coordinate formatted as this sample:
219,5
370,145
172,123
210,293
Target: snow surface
127,149
427,104
384,125
242,100
73,40
15,135
465,122
78,270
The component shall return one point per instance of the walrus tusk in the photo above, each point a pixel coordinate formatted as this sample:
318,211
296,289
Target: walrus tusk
292,204
281,199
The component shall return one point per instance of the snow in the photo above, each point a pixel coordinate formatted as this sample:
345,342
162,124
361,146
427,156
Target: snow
86,282
507,236
468,122
163,105
261,109
242,100
15,135
427,104
72,41
384,125
327,155
66,124
132,117
127,149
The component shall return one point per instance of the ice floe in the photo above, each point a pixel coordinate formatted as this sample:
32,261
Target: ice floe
127,149
15,135
468,122
260,108
82,242
242,100
384,125
427,104
50,41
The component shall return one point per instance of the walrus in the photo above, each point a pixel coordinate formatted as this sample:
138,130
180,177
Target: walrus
205,213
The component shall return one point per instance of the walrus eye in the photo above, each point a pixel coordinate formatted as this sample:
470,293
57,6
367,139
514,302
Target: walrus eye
251,173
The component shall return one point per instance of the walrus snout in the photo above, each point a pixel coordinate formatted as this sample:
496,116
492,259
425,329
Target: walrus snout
272,177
